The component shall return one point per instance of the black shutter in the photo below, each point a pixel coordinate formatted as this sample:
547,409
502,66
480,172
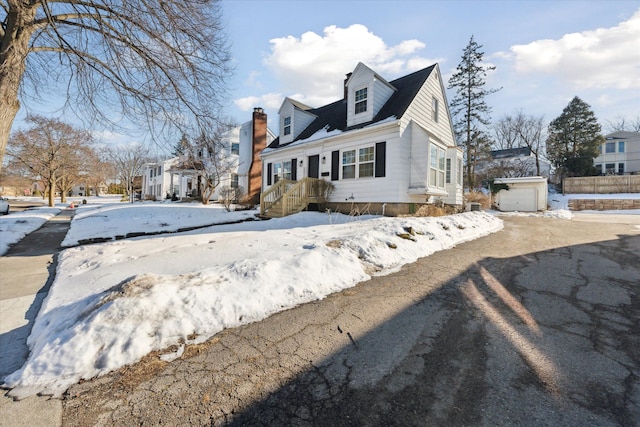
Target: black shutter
269,170
335,165
294,169
381,160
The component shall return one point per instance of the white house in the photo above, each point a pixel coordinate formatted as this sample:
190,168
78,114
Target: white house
511,163
156,180
387,145
243,144
619,154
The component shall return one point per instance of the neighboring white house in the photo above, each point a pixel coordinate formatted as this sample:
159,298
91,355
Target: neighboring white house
156,180
84,190
619,154
389,145
243,144
511,163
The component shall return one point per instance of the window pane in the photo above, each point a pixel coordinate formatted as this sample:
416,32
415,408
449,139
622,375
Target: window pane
286,170
361,100
434,156
348,172
432,176
620,146
366,154
434,109
348,157
620,167
611,147
365,170
448,171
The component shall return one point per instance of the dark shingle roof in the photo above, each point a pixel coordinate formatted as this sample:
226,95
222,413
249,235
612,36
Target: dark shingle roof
334,116
511,152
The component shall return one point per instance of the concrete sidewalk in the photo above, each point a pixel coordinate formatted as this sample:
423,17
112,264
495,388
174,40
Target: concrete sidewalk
26,273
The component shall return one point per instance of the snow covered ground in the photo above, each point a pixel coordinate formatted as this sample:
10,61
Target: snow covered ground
112,303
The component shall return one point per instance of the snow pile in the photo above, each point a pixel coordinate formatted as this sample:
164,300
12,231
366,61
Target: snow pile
113,303
110,221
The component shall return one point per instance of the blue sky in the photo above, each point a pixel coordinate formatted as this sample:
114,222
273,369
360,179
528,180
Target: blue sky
545,52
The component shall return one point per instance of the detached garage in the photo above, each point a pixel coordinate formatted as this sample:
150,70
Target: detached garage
525,194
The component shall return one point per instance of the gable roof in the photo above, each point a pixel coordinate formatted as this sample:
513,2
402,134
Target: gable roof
334,116
623,135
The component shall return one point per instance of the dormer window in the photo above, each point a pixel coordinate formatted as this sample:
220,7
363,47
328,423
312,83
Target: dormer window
287,126
361,100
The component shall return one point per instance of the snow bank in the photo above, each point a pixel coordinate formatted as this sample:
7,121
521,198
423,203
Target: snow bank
113,303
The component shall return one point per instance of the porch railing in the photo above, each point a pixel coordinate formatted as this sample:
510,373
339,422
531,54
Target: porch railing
287,197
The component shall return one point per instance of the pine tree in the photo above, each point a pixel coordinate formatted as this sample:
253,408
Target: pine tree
470,111
574,139
181,146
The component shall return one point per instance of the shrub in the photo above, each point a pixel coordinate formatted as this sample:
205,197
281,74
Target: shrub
478,197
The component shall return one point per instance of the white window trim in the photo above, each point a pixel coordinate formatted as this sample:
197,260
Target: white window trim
364,101
286,127
357,162
439,168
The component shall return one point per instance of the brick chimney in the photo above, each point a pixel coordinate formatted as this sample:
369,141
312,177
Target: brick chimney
258,143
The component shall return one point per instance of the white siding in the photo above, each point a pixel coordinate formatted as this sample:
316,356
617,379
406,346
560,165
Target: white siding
419,160
301,121
420,110
391,188
287,110
361,78
378,92
381,94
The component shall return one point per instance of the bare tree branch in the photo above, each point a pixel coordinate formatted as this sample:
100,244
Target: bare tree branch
160,65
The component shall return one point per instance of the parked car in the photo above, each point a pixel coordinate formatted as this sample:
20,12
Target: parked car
4,206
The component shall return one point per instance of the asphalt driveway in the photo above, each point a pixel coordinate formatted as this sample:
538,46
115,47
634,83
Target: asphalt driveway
535,325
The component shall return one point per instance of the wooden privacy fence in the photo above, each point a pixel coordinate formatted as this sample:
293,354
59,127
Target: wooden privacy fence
602,184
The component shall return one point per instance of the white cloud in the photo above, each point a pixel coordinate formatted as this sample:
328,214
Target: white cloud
315,65
601,58
269,101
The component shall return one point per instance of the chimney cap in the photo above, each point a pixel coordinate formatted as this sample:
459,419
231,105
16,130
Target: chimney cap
258,110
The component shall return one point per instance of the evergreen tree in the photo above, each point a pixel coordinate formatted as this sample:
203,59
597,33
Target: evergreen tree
574,139
181,146
470,111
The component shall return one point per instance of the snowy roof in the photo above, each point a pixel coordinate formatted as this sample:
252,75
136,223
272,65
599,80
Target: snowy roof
334,116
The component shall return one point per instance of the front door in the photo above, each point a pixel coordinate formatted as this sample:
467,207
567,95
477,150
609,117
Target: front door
314,166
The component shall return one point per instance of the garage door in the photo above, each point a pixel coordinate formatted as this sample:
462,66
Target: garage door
519,199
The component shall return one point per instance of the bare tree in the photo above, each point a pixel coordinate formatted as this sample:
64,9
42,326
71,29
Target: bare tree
208,158
128,161
519,130
505,133
622,124
162,65
97,170
49,151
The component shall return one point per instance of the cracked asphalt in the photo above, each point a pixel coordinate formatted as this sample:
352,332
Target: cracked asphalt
536,325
